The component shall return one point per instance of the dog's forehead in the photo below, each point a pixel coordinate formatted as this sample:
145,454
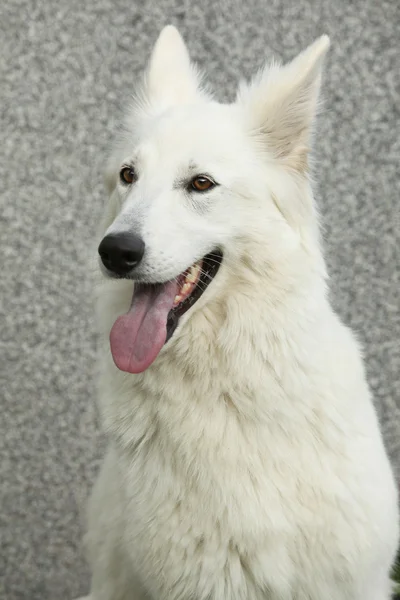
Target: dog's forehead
187,130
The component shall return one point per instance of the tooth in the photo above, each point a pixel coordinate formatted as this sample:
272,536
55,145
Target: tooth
193,273
185,288
177,299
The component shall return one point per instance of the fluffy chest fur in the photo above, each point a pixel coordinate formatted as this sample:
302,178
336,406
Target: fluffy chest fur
246,467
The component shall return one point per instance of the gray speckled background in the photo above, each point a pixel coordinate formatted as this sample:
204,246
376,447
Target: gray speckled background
66,67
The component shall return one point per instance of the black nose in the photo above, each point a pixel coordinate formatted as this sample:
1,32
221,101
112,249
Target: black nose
121,252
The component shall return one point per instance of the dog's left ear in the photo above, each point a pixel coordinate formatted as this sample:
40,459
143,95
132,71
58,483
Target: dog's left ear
281,103
171,77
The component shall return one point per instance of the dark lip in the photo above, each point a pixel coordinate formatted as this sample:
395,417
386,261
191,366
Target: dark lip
210,266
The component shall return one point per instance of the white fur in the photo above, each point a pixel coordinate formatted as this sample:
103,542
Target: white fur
246,463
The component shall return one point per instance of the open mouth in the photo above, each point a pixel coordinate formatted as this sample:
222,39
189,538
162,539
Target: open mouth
193,283
138,336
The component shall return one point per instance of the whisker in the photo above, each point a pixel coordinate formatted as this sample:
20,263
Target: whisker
203,272
210,259
218,262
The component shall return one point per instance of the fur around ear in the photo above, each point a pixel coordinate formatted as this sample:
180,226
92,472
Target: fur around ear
171,77
281,103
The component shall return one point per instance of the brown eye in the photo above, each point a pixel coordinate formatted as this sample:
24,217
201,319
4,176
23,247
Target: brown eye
127,175
201,183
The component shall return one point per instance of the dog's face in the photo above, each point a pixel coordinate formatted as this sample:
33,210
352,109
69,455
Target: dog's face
177,189
196,185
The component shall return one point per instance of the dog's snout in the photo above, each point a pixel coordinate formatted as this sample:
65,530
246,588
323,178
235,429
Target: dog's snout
122,252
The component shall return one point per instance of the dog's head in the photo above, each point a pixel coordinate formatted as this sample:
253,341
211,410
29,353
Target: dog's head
201,192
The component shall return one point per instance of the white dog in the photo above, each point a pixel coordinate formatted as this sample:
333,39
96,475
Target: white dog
245,460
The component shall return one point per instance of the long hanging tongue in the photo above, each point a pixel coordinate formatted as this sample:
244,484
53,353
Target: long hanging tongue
137,337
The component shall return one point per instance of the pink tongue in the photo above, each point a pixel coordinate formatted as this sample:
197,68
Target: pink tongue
137,337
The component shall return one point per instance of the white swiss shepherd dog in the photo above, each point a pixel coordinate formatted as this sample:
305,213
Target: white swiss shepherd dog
245,459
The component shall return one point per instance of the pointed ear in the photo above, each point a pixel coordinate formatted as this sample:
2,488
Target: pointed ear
281,103
171,78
